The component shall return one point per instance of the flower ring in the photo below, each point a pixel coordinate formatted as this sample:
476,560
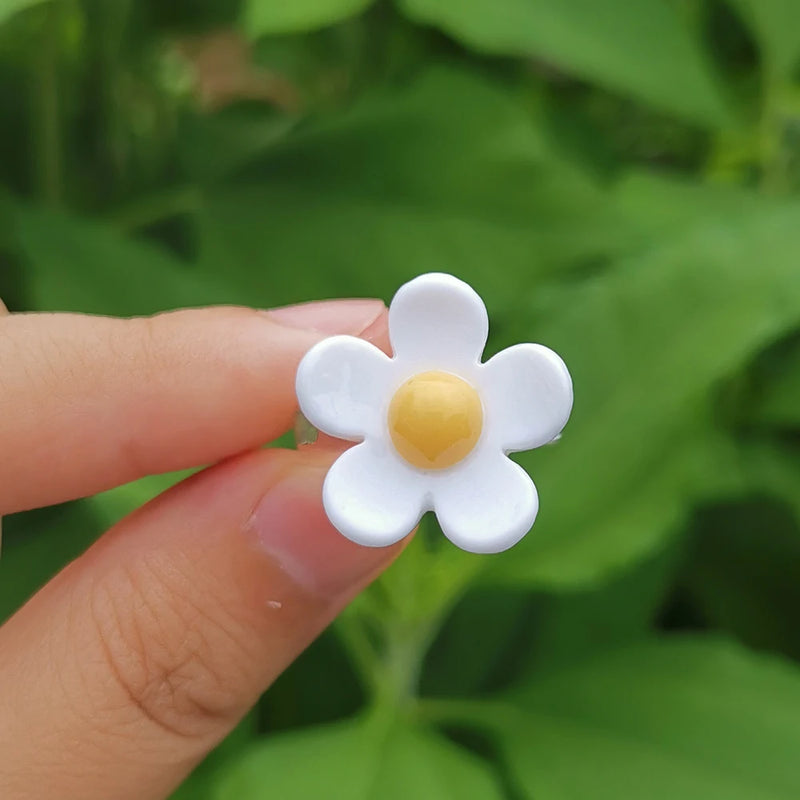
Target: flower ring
433,422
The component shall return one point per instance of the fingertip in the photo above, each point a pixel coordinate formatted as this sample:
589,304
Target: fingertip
291,527
377,332
350,316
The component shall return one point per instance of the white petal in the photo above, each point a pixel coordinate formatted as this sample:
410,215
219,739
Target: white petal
343,386
488,505
438,322
372,497
527,394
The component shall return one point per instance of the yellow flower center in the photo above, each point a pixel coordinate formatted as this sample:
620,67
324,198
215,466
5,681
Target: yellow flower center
435,419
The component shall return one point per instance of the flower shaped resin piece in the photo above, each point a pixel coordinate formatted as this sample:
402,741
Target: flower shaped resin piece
434,423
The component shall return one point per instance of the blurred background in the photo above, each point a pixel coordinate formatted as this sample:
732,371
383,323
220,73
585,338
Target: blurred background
619,181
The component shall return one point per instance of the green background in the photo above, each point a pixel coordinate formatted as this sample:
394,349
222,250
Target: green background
619,180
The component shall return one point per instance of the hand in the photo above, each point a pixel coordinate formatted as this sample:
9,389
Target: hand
131,664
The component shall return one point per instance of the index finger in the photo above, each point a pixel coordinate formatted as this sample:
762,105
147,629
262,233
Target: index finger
88,403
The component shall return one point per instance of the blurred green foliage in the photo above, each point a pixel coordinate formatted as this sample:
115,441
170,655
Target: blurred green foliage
619,180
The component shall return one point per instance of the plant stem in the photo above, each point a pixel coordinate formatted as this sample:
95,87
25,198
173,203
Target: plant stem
409,634
401,666
362,654
472,713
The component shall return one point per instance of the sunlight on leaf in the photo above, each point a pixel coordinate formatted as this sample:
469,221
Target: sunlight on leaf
266,17
358,760
10,7
646,342
681,718
639,48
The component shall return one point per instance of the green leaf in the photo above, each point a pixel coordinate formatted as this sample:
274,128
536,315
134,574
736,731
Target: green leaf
686,718
776,24
72,264
523,632
267,17
570,626
663,204
10,7
358,760
638,48
646,343
445,174
606,533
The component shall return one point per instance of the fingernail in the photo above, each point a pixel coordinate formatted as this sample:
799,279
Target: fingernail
377,332
330,316
292,528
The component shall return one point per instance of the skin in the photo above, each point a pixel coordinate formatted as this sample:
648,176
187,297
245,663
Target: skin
121,674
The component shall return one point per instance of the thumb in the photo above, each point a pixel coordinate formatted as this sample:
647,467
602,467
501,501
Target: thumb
138,658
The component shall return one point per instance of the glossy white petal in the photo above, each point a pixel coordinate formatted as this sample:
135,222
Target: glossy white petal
527,395
372,497
437,321
487,505
342,387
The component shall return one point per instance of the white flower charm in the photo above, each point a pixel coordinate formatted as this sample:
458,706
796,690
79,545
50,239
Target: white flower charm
435,424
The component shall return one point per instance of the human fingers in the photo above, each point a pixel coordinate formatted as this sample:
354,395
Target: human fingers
118,676
87,403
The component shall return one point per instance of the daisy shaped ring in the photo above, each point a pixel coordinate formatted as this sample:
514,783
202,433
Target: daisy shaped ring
434,423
